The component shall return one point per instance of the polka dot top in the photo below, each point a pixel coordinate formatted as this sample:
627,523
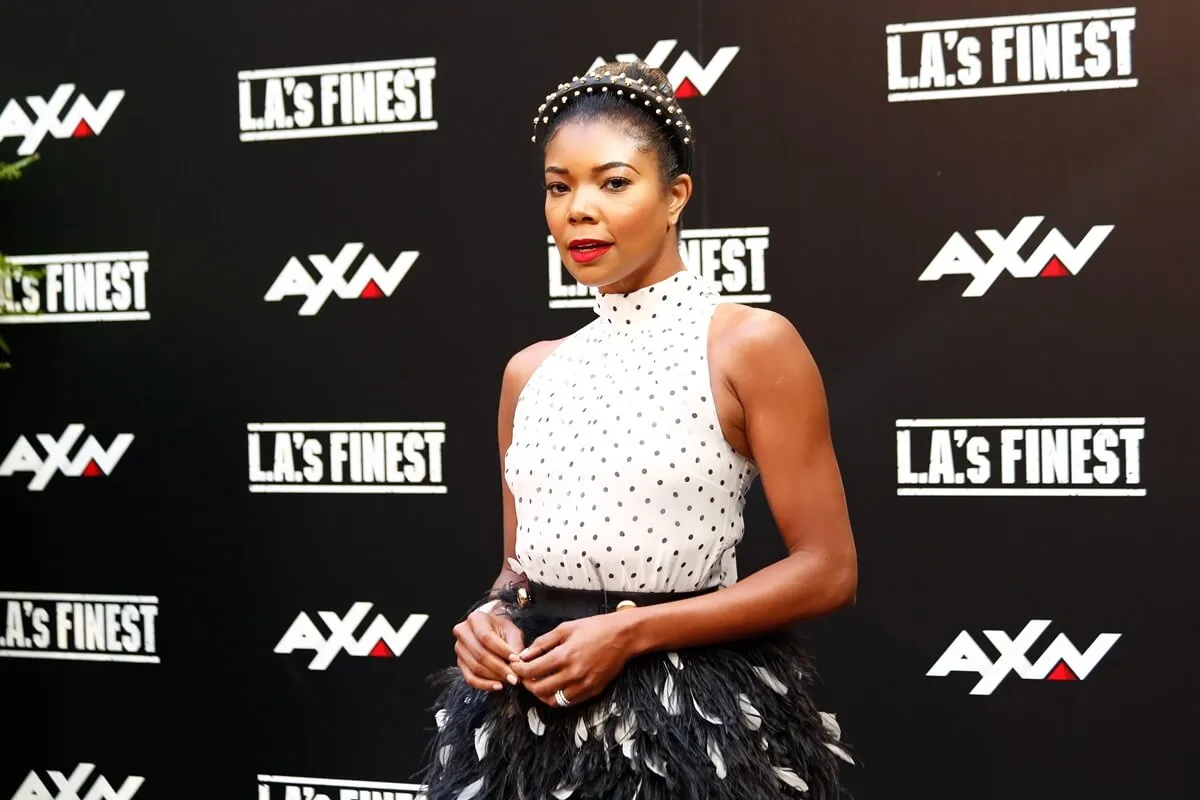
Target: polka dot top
621,476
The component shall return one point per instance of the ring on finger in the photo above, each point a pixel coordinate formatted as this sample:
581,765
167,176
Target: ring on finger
561,699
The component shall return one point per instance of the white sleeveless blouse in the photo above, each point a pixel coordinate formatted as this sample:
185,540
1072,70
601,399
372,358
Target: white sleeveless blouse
620,473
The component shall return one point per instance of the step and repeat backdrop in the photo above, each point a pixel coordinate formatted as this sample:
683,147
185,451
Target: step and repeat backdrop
265,274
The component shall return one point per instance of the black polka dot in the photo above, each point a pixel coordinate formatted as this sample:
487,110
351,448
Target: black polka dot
639,339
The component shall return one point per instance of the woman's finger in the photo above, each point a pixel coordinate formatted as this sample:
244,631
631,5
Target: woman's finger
558,659
466,658
545,689
576,692
542,667
476,682
548,678
513,637
469,658
490,638
544,644
491,663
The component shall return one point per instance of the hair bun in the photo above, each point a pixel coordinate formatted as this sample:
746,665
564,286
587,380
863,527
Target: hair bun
640,70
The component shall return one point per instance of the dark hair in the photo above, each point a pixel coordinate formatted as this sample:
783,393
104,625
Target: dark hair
673,150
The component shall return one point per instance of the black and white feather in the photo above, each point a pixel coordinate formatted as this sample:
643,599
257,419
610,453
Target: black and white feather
728,722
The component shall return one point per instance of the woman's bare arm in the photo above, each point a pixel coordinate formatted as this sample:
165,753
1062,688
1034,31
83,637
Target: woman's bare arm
787,431
516,374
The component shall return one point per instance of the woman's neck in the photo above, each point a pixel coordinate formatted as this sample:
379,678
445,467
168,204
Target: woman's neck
663,266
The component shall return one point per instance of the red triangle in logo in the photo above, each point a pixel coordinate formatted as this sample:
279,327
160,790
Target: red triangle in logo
82,130
686,89
371,291
1054,269
92,470
381,650
1062,673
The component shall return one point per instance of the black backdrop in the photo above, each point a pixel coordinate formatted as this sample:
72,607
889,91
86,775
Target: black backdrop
859,187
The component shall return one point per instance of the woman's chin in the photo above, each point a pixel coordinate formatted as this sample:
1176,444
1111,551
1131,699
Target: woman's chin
591,275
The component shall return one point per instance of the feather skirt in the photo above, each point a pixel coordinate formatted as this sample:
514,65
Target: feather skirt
727,722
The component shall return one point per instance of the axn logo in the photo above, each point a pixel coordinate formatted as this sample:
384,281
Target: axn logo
687,75
370,281
47,117
1060,661
1054,257
379,640
71,788
91,460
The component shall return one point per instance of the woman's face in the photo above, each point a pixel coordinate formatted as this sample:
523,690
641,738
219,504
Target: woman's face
607,209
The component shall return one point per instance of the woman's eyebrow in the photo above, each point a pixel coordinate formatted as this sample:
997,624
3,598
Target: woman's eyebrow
614,165
600,168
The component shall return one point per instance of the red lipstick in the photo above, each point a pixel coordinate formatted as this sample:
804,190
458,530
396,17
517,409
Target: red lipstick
584,250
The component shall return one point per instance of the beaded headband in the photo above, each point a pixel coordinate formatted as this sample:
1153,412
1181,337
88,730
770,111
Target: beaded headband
657,104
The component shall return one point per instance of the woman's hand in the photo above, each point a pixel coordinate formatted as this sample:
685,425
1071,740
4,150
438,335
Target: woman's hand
580,657
485,644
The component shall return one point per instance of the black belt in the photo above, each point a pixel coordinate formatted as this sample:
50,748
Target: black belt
556,601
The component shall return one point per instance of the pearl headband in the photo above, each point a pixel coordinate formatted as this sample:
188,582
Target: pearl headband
648,98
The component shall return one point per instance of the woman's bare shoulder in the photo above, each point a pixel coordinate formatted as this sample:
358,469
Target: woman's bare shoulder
525,362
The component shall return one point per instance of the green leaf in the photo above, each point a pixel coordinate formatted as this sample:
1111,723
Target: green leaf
14,272
10,172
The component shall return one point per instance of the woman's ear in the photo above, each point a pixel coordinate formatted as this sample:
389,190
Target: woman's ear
678,196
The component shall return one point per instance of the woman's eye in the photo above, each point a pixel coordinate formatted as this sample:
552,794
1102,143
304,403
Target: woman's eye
555,188
617,183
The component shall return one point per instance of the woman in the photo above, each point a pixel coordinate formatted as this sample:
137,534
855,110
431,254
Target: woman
605,663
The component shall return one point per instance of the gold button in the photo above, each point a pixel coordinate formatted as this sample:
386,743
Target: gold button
626,604
522,597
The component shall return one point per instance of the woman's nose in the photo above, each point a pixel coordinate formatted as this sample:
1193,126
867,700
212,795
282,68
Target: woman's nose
582,208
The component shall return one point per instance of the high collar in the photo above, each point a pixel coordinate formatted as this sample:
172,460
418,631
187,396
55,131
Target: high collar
656,304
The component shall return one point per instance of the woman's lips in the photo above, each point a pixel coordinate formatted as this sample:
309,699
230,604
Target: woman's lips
585,250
